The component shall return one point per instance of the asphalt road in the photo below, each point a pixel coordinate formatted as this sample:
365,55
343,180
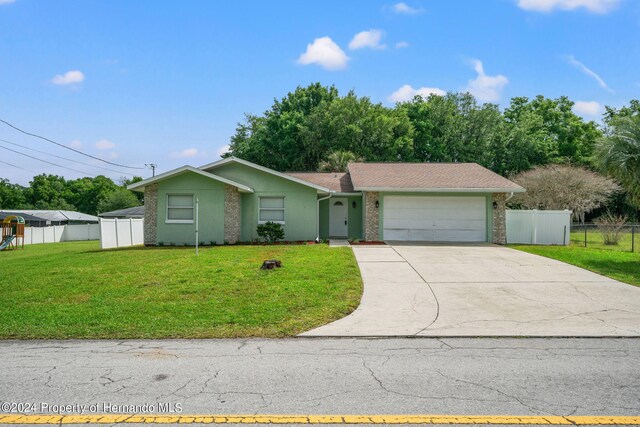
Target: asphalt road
329,376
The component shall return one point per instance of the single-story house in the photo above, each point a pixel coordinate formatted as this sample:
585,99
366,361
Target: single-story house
459,202
45,218
134,212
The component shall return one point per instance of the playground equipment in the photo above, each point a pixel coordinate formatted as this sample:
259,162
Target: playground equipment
12,232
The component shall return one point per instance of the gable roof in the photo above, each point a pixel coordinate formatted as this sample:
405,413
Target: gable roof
139,186
264,169
338,182
467,177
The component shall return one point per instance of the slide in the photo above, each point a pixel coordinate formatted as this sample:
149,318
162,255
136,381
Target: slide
6,242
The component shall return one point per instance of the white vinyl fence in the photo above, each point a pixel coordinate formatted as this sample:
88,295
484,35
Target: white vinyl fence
120,233
61,233
538,227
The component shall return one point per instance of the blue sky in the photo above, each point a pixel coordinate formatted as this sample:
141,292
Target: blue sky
166,82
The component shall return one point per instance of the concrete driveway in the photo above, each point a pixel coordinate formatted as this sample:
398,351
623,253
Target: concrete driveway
482,290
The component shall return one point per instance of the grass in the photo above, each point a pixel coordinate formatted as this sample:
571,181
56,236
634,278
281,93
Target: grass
75,290
594,240
611,261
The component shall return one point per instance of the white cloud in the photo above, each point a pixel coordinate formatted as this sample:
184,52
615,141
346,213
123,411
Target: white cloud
595,6
370,39
579,65
402,45
104,144
6,1
588,108
68,78
325,53
187,152
405,9
75,144
486,88
407,93
223,150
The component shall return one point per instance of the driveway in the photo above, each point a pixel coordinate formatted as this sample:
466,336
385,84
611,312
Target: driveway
482,290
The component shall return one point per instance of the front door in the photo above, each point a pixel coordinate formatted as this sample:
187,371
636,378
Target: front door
338,214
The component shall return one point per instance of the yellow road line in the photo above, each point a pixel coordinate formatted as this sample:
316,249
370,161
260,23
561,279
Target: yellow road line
318,419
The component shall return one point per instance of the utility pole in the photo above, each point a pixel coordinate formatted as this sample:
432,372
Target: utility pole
153,167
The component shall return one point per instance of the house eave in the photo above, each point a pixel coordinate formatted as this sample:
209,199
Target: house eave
319,188
139,186
441,190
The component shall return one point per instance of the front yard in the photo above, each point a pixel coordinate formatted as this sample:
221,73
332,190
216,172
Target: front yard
74,290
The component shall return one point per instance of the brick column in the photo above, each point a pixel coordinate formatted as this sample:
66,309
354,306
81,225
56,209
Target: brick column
150,214
371,216
500,219
231,214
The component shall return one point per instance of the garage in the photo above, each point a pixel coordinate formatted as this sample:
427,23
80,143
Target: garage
435,218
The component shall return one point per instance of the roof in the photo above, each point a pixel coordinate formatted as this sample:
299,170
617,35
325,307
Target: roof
264,169
139,186
25,216
54,215
468,177
134,212
339,182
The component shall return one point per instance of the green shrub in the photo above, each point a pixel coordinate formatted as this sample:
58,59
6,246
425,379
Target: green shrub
270,232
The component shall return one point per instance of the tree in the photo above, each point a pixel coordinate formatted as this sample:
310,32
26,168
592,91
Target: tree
274,140
565,137
48,192
337,161
12,195
559,187
86,193
618,153
124,182
121,198
355,124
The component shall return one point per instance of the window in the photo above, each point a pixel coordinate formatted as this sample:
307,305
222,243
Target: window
180,208
271,209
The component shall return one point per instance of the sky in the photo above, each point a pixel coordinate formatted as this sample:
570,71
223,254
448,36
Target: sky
166,82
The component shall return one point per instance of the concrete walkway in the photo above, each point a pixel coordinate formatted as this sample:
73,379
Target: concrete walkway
483,290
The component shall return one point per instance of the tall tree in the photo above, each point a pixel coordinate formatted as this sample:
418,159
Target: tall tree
618,153
274,140
12,196
567,137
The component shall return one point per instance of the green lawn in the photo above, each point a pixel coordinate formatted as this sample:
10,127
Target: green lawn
594,240
74,290
619,265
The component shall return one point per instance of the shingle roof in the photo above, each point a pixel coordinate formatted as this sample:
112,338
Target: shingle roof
56,215
135,212
334,181
428,176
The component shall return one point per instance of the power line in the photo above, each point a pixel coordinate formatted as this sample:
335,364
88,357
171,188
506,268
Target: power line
68,148
64,158
17,167
45,161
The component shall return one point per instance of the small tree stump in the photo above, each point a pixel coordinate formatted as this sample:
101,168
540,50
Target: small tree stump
270,264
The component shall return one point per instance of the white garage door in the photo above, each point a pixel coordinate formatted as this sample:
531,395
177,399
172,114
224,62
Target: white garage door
435,218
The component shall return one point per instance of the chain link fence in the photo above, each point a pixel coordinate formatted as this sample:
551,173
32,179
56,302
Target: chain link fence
624,239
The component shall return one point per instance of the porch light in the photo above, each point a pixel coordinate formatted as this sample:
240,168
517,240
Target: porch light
495,205
353,205
377,204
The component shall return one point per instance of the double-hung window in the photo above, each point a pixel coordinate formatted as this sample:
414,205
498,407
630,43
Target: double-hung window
271,209
180,208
